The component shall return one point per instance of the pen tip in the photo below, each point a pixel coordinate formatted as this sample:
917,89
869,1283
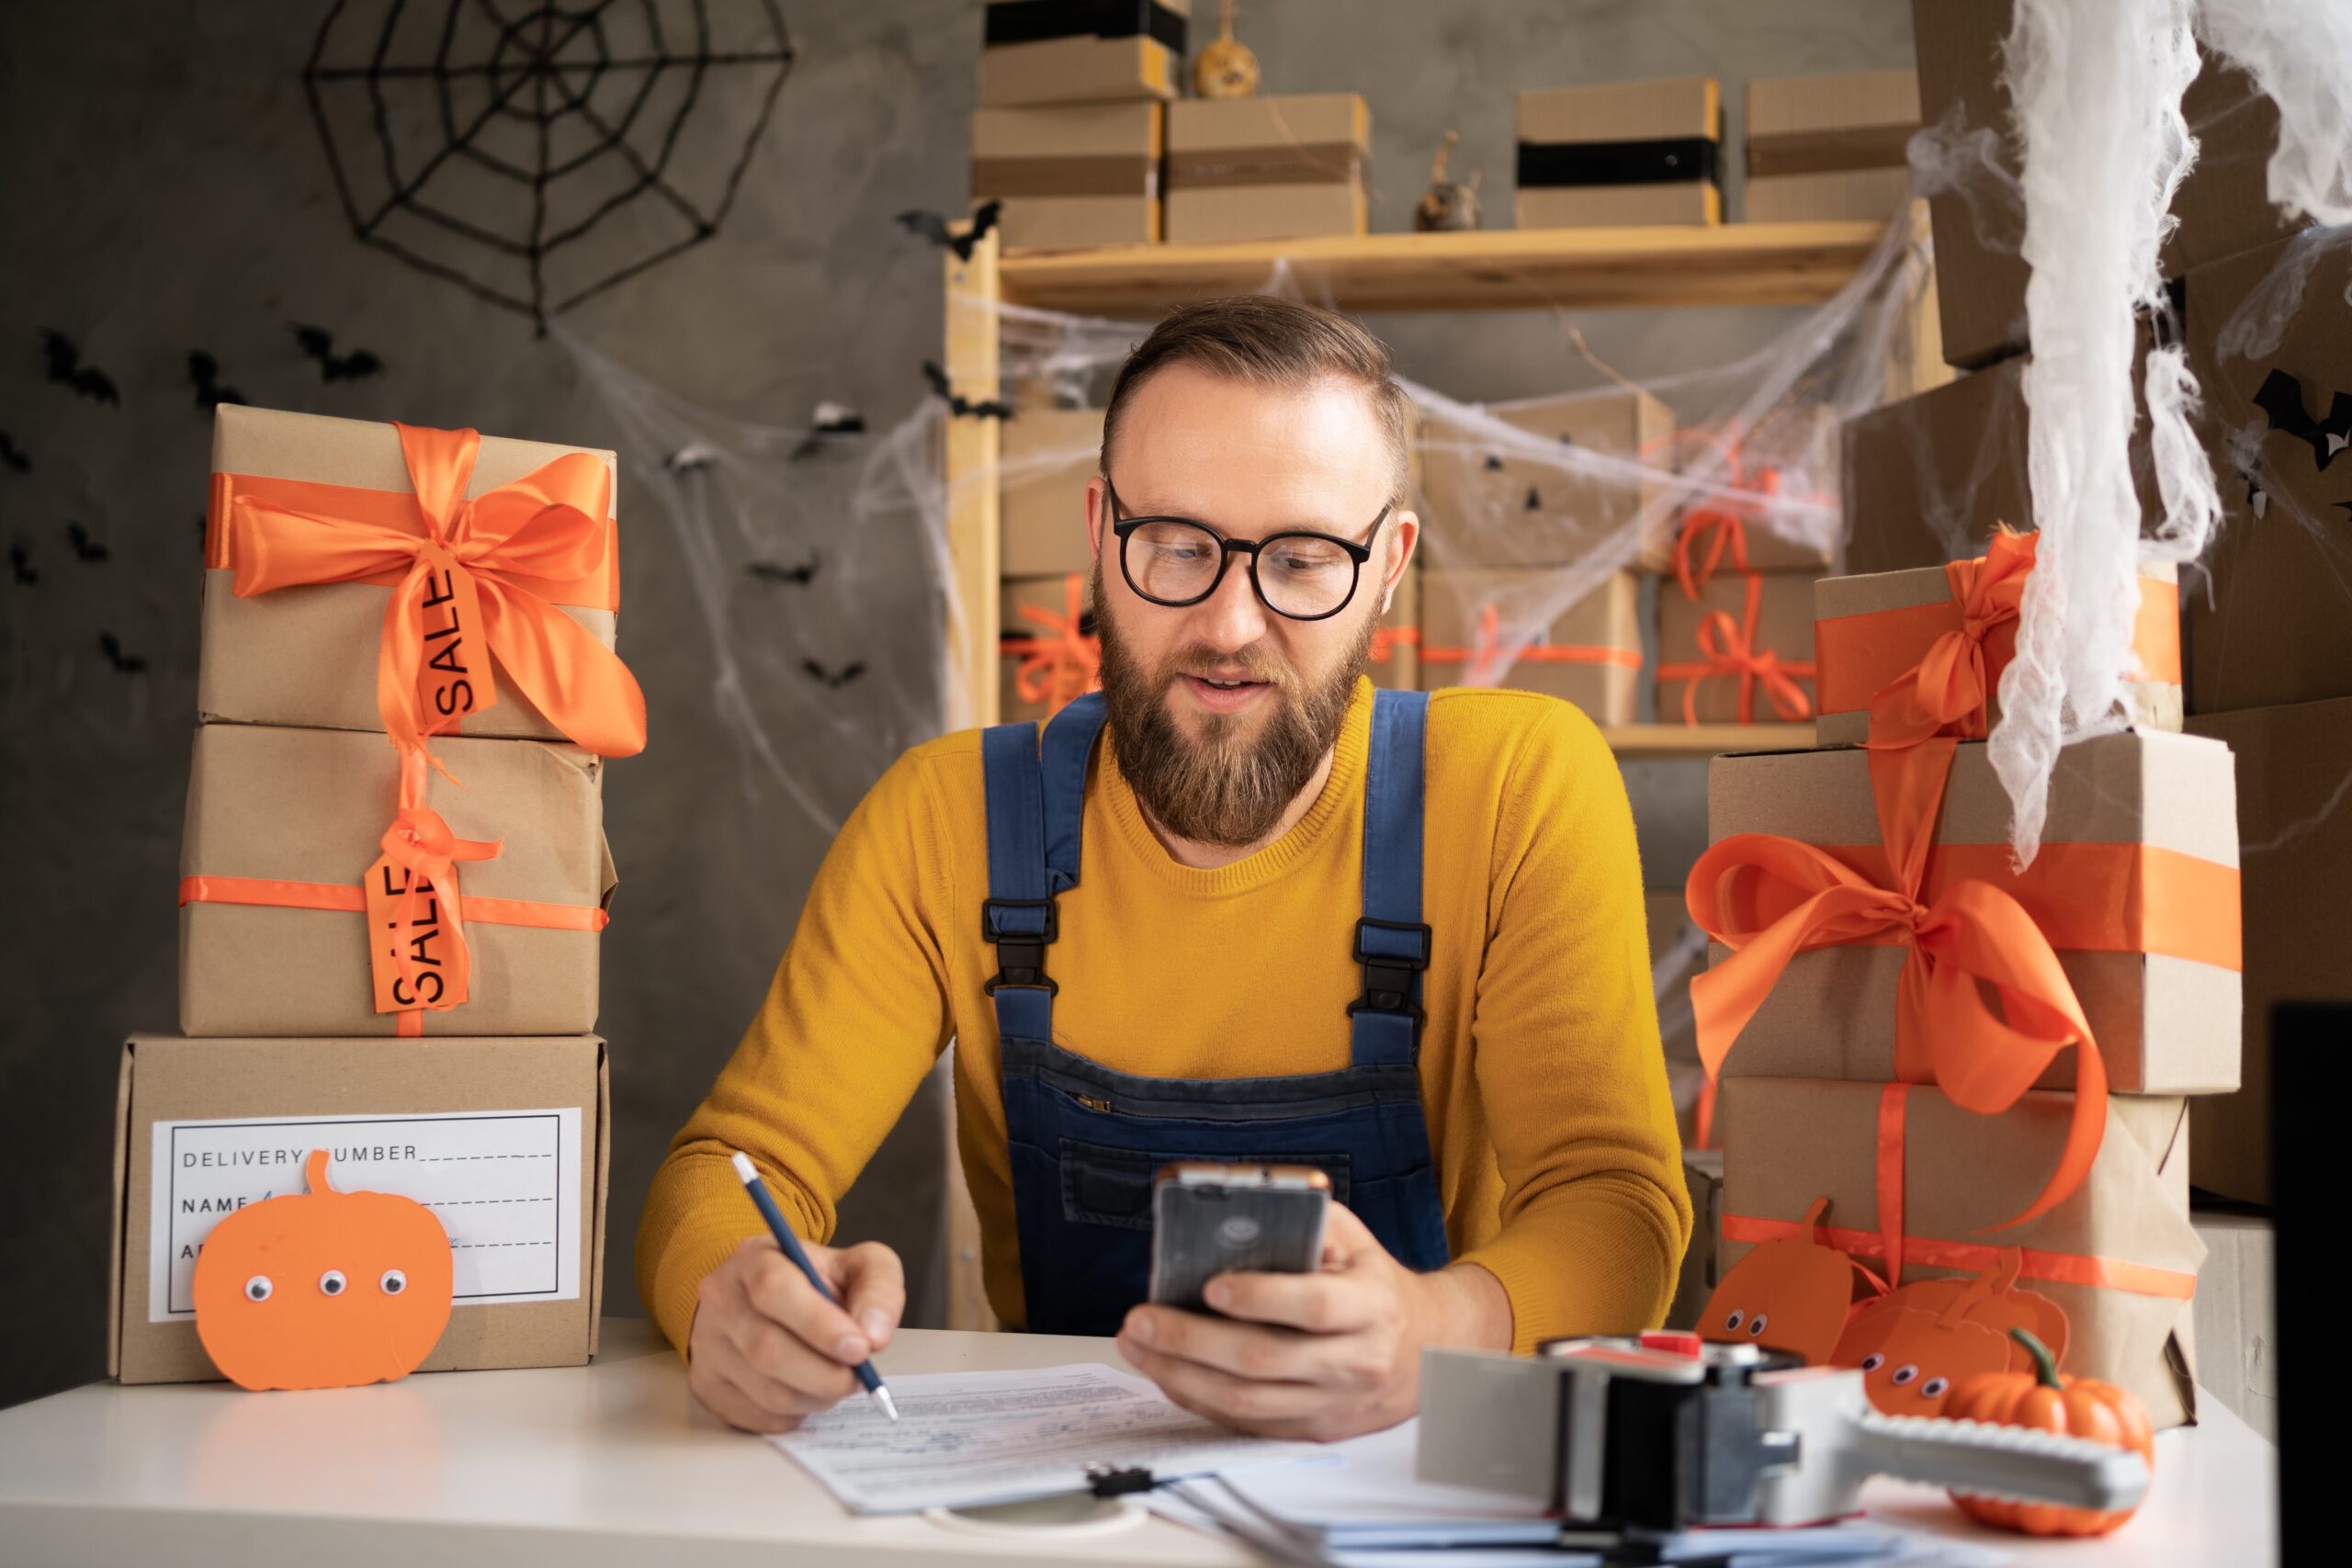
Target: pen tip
889,1406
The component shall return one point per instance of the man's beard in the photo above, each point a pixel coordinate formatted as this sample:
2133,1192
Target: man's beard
1225,789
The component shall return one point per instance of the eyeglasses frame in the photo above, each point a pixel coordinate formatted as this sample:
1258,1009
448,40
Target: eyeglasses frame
1359,553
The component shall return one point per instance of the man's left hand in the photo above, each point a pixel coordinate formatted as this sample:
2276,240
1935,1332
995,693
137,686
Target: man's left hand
1320,1356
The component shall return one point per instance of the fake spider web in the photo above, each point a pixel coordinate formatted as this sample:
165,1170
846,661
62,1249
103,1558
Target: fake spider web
540,155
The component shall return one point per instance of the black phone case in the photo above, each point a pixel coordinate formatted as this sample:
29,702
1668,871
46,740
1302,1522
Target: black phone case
1199,1232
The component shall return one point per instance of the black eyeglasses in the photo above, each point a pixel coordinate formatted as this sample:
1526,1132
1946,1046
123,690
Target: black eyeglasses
1174,561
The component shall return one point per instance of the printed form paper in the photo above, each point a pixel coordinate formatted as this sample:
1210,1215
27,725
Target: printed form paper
505,1185
969,1438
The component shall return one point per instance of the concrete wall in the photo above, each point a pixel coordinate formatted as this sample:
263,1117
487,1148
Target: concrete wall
167,193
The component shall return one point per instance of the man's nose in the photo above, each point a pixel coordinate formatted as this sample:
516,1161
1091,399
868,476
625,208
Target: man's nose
1233,617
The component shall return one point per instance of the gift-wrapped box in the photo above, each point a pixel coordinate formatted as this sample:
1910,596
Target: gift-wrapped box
1586,648
2135,889
1486,505
1830,147
1289,167
1738,652
1873,629
2221,206
1049,650
284,851
1766,501
2116,1255
2270,339
2236,1308
506,1140
2292,765
306,653
1619,153
1071,174
1046,458
1052,51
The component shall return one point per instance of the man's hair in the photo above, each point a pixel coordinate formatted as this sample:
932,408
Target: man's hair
1272,343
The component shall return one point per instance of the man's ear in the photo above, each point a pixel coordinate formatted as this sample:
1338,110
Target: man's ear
1404,536
1097,490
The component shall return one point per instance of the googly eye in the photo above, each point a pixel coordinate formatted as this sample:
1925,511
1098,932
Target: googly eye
1904,1373
1934,1388
332,1282
257,1289
1874,1360
1756,1325
1732,1320
392,1282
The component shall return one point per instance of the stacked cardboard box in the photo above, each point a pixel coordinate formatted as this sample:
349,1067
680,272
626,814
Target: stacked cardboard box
392,890
1285,167
1032,54
1620,153
1046,632
1830,147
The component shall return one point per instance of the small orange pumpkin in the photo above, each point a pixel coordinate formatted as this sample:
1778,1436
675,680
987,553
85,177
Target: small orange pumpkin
1789,1295
324,1288
1918,1343
2043,1401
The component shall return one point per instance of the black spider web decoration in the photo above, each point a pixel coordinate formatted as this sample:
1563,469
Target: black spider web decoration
539,155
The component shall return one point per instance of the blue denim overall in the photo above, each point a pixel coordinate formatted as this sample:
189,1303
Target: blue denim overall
1085,1139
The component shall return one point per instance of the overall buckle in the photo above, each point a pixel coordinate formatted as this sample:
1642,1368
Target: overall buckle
1390,959
1020,955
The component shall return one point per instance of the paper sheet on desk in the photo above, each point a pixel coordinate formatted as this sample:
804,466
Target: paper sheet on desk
969,1438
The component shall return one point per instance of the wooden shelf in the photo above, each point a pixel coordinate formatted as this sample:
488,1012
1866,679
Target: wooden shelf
1645,742
1732,263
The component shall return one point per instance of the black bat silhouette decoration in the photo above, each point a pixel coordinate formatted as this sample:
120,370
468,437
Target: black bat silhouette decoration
1535,500
2282,397
836,679
957,404
204,373
319,344
20,565
85,548
933,227
1494,463
127,663
65,369
777,571
14,454
829,419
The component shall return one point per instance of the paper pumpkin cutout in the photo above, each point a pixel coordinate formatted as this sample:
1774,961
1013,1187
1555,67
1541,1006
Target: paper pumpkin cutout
323,1288
1918,1343
1789,1295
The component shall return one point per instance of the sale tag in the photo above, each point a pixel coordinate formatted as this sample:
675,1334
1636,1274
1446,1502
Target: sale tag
415,958
453,678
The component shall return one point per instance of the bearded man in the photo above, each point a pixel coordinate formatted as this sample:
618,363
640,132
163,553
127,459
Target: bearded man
1238,906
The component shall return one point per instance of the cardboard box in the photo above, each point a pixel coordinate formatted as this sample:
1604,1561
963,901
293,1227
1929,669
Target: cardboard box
1873,629
2222,207
1486,505
1067,54
1702,1173
1045,660
506,1140
2292,765
2276,625
1289,167
307,656
1619,153
311,806
2237,1309
1792,455
2148,940
1071,174
1048,458
1821,148
1788,1141
1589,651
1783,627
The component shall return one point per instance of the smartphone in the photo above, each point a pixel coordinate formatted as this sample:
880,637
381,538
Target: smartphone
1209,1218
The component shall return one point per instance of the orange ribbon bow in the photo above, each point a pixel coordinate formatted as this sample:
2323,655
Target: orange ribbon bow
1948,691
1061,661
1719,531
1728,648
1770,899
472,571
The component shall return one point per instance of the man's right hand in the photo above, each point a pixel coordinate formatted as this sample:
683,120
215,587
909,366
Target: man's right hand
767,1350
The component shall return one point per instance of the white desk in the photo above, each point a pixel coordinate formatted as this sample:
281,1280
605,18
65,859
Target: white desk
616,1464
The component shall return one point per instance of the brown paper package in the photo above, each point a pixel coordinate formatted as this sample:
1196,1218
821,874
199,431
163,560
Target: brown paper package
1071,174
1783,625
2292,765
1801,447
1670,108
310,806
307,656
1788,1141
1288,167
165,1078
2153,705
2276,623
1048,456
1479,517
2165,1024
1051,595
1604,617
1082,68
1824,148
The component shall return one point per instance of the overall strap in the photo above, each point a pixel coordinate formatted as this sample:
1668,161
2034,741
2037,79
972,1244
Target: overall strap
1034,809
1391,942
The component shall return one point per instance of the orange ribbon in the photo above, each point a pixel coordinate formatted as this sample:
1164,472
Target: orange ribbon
507,548
1385,641
421,843
1720,531
1482,656
1061,661
1727,648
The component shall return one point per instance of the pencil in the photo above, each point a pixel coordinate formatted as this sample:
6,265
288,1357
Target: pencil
792,1249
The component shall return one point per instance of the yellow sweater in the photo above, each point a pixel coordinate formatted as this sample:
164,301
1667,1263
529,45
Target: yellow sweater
1542,1075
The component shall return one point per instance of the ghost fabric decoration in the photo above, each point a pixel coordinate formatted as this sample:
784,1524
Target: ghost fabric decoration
323,1288
1795,1296
1916,1344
